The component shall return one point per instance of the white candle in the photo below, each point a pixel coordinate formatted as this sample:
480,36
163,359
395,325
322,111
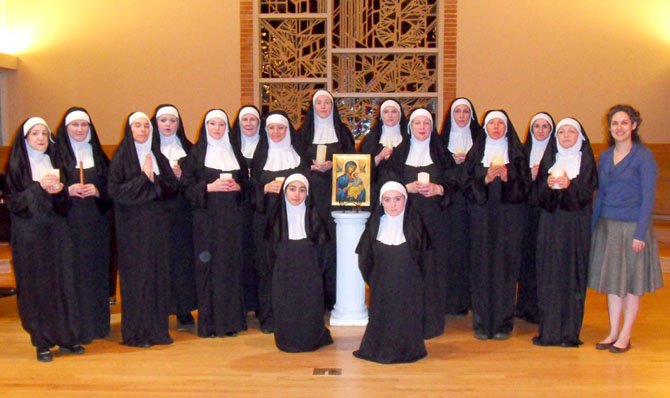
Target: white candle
280,179
173,162
321,153
423,177
556,173
53,172
498,160
226,176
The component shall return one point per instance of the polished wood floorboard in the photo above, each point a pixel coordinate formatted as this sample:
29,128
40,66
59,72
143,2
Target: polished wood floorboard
249,365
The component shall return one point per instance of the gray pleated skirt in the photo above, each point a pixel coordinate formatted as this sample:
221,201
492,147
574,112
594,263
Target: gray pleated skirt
615,268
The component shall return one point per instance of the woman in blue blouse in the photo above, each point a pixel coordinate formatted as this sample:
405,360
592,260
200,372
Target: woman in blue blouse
624,250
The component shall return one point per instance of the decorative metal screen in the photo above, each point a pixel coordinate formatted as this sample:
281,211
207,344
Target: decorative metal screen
363,51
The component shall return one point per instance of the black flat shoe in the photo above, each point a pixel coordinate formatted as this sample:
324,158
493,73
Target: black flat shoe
76,349
604,346
231,334
44,355
619,350
501,336
536,341
481,335
268,330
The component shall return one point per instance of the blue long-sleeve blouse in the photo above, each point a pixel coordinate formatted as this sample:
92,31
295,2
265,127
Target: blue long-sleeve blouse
628,189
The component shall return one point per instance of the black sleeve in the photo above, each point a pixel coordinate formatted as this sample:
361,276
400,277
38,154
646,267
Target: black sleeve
30,202
474,187
193,184
136,190
365,255
515,189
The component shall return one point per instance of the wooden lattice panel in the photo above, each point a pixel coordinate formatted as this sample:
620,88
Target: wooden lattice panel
387,73
293,98
292,6
385,23
378,49
360,113
293,48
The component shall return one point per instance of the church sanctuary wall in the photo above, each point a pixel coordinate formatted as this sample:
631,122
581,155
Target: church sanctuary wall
114,57
570,58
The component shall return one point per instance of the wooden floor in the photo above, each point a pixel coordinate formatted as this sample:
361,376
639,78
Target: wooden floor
249,365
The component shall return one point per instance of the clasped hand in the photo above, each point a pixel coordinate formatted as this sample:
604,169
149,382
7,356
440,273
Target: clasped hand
560,182
321,166
425,189
227,185
51,184
496,172
83,190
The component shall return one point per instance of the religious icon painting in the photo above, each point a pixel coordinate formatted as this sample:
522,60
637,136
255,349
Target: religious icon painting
351,180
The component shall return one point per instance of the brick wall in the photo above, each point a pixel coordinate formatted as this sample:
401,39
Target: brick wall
246,51
449,50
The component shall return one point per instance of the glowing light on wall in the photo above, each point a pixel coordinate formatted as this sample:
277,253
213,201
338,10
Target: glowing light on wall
661,20
16,42
14,39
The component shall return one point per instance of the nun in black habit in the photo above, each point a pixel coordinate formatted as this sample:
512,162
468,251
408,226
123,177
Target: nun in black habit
566,182
141,183
420,163
175,146
274,160
322,126
84,165
245,136
215,177
391,252
295,232
496,187
41,245
458,133
387,133
539,134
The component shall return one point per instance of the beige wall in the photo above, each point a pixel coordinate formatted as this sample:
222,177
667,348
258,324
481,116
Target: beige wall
569,57
115,56
118,56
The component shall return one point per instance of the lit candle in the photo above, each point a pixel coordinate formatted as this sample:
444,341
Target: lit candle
556,173
280,179
498,160
54,172
321,153
423,177
225,176
173,162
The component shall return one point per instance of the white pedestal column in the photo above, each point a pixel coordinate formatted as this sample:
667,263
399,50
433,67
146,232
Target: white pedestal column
350,309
